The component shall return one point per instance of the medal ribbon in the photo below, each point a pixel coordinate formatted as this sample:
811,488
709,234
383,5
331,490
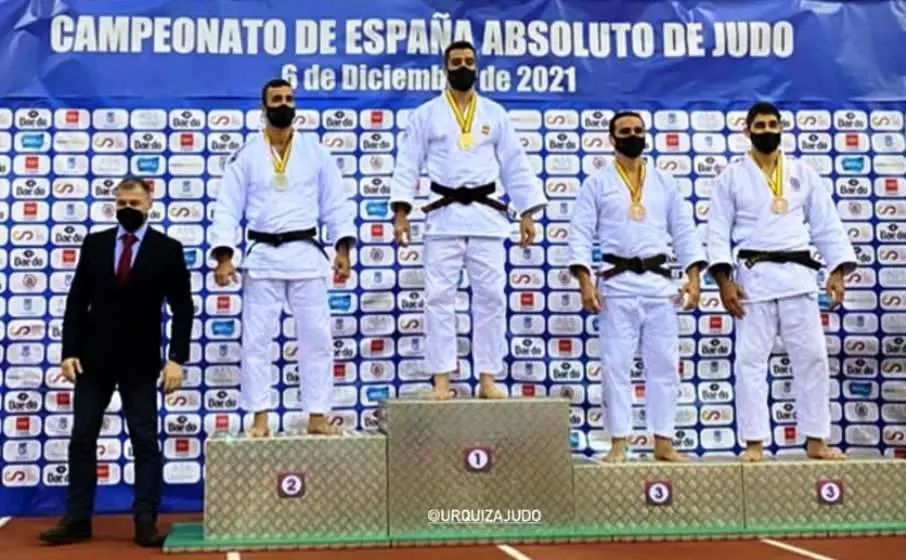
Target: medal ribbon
635,194
464,120
775,182
279,161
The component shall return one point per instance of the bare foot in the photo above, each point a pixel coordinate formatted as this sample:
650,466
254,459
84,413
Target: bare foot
664,451
441,391
615,456
490,391
439,394
260,432
617,453
318,425
752,455
325,430
670,456
818,450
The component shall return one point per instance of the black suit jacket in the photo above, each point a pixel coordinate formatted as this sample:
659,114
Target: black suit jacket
118,330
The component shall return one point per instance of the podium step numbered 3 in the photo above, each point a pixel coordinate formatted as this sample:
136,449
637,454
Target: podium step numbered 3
834,496
502,471
634,498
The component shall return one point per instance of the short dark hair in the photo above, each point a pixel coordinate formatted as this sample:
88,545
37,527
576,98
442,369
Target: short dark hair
133,182
275,83
456,45
761,108
620,114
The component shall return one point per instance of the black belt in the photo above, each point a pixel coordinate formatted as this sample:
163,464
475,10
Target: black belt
799,257
277,239
464,195
638,265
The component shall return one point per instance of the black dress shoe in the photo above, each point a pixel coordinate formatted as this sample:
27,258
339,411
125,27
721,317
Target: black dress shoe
146,535
67,531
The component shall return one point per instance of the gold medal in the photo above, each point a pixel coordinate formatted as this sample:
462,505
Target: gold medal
636,208
464,120
780,206
279,162
637,212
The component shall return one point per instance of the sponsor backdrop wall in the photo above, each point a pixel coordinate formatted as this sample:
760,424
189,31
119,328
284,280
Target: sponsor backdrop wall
91,91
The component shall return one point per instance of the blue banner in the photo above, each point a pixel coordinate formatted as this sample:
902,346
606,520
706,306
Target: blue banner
93,90
804,50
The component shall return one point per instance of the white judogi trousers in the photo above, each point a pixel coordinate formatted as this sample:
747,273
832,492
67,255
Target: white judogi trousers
263,300
628,323
483,259
797,320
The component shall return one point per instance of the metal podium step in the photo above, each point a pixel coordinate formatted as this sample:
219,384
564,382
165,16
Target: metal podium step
639,498
789,496
309,489
472,467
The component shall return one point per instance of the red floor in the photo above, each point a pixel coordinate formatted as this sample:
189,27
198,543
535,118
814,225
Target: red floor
18,541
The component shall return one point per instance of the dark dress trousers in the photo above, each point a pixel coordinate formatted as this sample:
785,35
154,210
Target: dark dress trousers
115,328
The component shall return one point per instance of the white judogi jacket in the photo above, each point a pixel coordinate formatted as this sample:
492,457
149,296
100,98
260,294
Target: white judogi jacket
431,140
314,197
601,214
740,213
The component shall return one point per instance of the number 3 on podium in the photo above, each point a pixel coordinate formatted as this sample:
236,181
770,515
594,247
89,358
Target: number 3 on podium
829,491
658,493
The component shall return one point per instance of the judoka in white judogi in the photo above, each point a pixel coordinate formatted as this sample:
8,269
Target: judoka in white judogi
634,293
465,141
287,191
771,206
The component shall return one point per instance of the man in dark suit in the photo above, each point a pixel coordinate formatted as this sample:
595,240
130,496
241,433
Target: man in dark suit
112,338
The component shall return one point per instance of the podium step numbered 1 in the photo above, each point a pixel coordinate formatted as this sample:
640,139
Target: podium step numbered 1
470,468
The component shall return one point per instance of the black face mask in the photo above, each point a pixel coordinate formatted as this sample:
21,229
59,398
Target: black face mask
461,79
130,218
630,146
766,142
281,116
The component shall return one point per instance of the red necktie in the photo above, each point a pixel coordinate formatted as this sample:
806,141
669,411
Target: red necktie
125,264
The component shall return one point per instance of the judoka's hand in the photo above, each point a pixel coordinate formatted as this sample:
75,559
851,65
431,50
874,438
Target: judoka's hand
691,291
731,296
526,231
225,272
591,301
171,377
401,230
341,266
836,288
70,367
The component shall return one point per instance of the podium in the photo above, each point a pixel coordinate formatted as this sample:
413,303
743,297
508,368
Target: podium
638,498
476,471
473,469
792,497
317,488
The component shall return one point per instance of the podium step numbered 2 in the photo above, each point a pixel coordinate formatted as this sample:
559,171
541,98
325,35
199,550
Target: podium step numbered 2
310,488
475,471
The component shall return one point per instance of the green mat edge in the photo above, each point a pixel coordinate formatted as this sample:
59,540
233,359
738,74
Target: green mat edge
188,537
